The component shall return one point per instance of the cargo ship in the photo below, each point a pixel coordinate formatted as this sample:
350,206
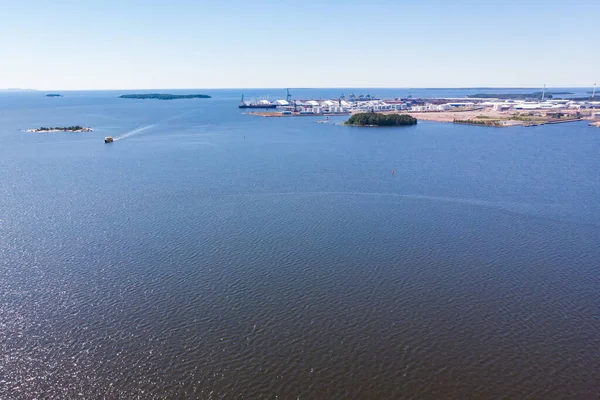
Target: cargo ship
258,104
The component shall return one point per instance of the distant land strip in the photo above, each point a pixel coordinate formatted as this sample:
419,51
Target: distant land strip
515,96
164,96
74,128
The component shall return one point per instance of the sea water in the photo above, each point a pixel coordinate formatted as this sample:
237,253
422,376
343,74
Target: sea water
213,254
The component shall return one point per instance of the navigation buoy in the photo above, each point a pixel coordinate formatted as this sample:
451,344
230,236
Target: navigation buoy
393,172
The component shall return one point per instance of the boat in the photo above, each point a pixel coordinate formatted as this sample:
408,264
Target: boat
109,139
260,104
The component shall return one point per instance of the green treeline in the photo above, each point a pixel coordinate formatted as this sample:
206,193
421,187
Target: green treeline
515,96
375,119
595,98
160,96
485,122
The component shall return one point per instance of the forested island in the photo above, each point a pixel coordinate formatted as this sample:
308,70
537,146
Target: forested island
375,119
515,96
53,95
163,96
74,128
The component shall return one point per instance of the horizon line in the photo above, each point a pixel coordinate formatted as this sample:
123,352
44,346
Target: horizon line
12,89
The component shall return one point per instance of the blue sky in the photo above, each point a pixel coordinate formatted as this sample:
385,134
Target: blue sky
135,44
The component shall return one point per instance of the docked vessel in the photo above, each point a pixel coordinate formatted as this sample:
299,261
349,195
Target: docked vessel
108,139
258,104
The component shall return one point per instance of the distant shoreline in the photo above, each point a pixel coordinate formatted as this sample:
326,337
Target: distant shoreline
164,96
517,96
491,118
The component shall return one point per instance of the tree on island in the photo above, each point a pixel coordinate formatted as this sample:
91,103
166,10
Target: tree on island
375,119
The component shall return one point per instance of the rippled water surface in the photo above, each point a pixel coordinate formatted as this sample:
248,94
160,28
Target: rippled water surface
210,254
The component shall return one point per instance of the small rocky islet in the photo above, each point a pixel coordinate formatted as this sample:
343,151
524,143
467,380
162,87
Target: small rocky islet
74,128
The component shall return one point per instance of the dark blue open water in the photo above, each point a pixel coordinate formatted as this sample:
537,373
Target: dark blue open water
219,255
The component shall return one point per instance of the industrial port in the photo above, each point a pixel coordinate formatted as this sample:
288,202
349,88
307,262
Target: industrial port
480,111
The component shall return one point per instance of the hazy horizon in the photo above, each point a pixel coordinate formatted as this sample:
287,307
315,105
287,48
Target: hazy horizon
268,44
297,88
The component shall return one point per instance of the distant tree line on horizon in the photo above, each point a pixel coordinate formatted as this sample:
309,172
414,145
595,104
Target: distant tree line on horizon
516,96
375,119
164,96
595,98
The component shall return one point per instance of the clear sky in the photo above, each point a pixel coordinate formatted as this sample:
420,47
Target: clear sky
142,44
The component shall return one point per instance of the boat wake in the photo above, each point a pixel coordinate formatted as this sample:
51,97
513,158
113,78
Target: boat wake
135,131
546,211
146,127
